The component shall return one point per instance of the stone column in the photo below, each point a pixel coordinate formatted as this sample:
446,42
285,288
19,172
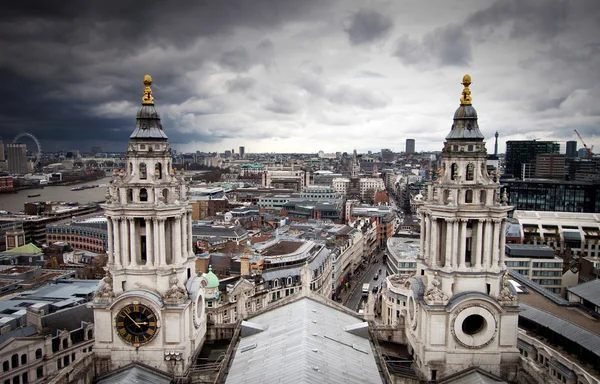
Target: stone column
132,242
117,243
462,252
124,243
422,238
190,238
496,243
477,244
183,236
149,242
487,244
502,243
433,242
455,243
156,239
449,244
176,236
109,229
162,238
428,238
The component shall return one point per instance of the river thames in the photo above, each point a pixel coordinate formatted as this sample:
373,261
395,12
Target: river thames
14,202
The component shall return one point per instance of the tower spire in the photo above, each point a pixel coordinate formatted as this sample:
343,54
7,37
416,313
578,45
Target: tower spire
147,98
466,93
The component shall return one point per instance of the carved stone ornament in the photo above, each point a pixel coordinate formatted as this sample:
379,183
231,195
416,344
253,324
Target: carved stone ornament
175,294
506,297
105,292
435,296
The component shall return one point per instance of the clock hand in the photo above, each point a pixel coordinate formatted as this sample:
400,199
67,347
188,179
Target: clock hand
136,324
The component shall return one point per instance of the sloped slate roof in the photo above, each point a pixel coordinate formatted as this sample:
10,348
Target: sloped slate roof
589,291
574,333
304,342
135,374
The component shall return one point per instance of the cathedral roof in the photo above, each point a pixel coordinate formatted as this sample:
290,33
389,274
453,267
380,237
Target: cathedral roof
213,280
148,125
465,124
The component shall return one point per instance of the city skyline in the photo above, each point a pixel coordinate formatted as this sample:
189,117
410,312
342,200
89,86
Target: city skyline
300,77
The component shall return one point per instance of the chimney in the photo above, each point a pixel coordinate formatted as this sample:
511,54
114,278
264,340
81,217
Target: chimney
202,263
34,317
244,265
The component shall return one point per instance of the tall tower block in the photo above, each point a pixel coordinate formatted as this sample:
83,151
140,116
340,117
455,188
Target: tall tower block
461,310
150,307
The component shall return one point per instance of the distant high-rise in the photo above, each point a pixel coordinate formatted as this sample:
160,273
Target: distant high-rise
521,156
387,155
571,149
96,149
242,152
1,150
496,144
410,146
17,158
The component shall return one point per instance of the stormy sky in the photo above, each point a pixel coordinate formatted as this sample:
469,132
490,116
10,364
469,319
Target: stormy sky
299,76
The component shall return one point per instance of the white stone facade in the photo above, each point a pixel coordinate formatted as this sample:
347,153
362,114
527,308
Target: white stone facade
150,257
461,311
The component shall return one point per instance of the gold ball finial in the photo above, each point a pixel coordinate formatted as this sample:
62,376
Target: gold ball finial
466,93
147,98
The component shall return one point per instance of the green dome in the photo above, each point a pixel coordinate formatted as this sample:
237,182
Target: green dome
213,280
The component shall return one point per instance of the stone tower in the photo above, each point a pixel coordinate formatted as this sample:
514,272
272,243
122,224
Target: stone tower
461,310
150,307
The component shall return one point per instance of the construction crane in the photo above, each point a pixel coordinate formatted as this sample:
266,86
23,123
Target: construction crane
589,150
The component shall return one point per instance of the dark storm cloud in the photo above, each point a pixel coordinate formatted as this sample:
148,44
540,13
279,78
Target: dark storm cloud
63,59
536,18
367,26
236,60
449,45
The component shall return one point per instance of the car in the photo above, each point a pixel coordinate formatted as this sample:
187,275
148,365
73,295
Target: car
375,289
376,276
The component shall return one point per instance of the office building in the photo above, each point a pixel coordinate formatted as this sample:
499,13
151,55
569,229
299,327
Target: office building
521,156
553,195
550,166
17,158
571,149
387,155
410,146
242,152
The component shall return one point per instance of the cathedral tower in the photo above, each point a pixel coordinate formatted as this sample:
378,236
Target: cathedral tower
461,310
150,307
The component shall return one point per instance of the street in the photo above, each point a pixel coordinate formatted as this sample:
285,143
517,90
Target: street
356,300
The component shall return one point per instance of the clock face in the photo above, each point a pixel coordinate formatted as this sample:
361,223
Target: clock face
136,324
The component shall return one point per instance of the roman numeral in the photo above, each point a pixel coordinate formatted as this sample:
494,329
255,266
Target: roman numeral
152,324
128,338
122,331
151,316
136,308
120,323
150,331
136,340
127,310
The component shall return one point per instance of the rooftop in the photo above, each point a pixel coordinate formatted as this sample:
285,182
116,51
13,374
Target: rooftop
403,247
282,248
589,291
302,342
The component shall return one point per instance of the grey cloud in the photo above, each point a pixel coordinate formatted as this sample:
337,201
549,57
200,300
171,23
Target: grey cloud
236,60
281,105
367,26
240,84
361,98
265,51
449,45
538,18
368,74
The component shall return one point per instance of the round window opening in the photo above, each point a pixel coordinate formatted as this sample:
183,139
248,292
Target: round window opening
473,324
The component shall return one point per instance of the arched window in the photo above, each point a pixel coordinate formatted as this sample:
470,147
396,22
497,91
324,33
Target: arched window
289,281
23,359
143,171
454,171
482,197
130,195
90,334
469,196
158,170
143,194
131,168
276,283
470,171
14,361
65,343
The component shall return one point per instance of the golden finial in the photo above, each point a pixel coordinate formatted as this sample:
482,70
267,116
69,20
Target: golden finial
147,99
466,93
